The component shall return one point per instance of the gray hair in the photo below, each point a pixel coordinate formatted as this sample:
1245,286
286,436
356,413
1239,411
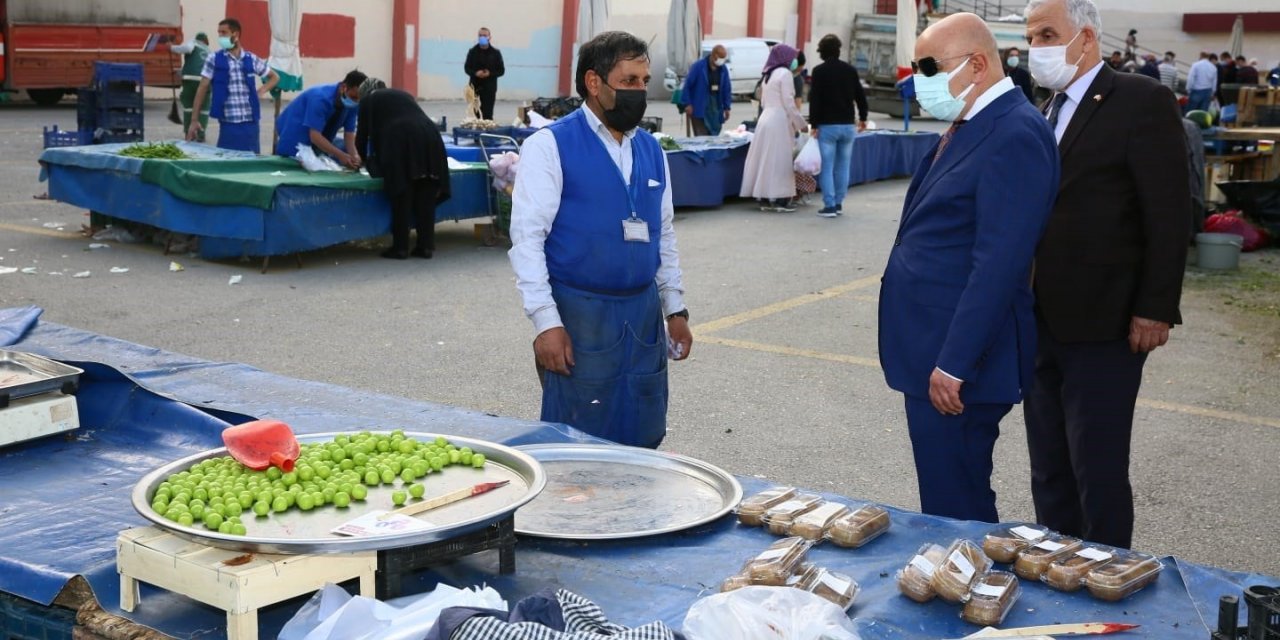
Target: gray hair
1081,13
370,85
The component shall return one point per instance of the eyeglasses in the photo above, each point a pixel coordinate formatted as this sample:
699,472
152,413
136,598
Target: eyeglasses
928,67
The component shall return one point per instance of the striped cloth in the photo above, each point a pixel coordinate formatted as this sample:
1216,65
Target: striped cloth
583,620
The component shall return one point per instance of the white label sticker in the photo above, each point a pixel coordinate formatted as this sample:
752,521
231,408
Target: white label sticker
1094,554
790,505
836,584
1049,545
922,563
823,512
1027,533
772,554
962,564
990,590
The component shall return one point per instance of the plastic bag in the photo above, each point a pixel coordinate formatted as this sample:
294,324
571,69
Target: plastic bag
334,614
810,159
503,167
777,613
1254,236
313,163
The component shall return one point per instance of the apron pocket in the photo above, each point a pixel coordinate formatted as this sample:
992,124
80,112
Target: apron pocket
600,364
648,408
593,406
647,357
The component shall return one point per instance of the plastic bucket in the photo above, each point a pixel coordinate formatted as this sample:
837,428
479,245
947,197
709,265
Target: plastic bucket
1218,250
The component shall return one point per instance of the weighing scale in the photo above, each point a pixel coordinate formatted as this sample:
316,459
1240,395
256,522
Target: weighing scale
36,397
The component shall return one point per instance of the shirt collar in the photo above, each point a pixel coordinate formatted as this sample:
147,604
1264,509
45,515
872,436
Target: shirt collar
599,126
995,91
1078,88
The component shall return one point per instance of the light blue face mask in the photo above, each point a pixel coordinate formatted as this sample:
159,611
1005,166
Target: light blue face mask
934,94
483,40
225,42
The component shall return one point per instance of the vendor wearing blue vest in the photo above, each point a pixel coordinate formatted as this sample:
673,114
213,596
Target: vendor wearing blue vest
594,251
313,118
231,73
707,93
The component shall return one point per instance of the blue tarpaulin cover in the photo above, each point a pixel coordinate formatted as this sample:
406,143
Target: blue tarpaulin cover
63,499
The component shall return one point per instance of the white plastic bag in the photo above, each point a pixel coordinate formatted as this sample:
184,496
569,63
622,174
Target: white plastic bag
333,614
313,163
810,158
777,613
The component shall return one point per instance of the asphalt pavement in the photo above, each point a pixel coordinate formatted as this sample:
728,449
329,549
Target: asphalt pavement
782,382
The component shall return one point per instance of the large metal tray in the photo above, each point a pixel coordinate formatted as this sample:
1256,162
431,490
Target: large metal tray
25,374
297,531
606,492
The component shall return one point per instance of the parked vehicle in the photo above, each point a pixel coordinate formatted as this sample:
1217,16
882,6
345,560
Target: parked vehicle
48,47
746,63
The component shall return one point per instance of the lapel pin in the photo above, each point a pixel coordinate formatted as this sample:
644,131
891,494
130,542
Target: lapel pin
1097,97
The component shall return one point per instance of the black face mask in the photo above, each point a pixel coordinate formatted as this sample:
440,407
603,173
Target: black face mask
628,109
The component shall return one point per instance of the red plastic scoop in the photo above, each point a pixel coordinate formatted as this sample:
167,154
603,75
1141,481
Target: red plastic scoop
261,444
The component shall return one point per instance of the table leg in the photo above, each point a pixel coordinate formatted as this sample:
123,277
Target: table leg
368,586
129,594
266,262
242,626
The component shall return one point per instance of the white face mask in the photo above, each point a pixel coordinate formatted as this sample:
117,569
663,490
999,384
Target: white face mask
1049,65
719,62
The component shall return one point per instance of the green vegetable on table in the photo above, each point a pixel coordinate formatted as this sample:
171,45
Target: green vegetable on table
669,144
154,151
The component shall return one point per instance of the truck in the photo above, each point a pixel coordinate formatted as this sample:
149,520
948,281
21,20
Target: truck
48,47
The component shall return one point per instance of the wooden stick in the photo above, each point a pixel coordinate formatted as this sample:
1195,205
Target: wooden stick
448,498
1085,629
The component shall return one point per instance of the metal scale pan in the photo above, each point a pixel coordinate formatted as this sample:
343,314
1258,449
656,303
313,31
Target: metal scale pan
24,374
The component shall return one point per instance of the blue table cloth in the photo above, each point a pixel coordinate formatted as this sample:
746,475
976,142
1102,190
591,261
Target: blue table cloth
136,407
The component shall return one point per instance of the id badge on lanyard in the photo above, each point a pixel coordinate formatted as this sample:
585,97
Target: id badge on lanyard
634,229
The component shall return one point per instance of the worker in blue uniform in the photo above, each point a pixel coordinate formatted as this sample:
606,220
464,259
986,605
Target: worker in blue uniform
231,74
594,251
314,117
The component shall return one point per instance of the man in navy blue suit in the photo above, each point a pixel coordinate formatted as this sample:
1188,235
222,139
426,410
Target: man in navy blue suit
957,327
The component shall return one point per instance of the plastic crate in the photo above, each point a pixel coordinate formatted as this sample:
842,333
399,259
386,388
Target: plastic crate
57,138
116,99
22,619
87,109
120,136
116,120
394,565
110,72
652,124
1264,612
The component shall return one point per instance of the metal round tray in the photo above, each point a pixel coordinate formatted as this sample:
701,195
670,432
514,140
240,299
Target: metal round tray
606,492
297,531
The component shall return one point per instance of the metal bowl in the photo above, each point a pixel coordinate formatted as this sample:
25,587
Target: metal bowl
297,531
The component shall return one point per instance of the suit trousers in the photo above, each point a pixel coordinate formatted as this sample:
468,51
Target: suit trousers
953,458
487,97
1079,416
415,205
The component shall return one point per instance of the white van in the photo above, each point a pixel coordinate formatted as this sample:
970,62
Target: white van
746,64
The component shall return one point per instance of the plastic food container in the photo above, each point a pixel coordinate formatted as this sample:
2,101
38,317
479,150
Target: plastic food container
813,525
776,564
963,564
991,598
1068,573
735,582
1004,544
779,518
835,587
859,527
915,579
751,510
1033,561
1126,574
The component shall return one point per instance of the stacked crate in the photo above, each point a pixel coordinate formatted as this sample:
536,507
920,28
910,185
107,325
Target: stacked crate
116,94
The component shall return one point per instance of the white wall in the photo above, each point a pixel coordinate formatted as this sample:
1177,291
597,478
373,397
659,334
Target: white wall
526,32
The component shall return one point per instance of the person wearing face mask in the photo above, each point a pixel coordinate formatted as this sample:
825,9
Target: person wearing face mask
484,66
314,117
1021,77
707,93
769,175
230,73
1108,275
594,252
956,325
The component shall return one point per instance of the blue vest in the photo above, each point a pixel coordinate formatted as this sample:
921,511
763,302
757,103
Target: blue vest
222,79
585,248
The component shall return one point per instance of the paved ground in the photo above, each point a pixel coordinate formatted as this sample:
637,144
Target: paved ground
782,383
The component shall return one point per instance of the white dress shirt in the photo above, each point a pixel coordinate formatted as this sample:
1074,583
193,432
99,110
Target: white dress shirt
1203,75
536,201
1075,93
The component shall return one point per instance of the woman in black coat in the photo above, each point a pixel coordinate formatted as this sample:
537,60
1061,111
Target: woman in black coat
401,145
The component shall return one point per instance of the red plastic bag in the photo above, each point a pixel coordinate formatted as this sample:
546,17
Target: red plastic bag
1255,237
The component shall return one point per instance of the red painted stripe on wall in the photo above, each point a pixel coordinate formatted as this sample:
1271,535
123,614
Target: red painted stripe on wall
255,25
327,35
1223,22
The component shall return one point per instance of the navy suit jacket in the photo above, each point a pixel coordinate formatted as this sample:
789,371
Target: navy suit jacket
956,293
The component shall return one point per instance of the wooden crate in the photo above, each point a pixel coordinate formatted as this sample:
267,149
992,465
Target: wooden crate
1250,99
248,583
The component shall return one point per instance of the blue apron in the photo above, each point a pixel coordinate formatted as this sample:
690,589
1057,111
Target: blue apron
617,389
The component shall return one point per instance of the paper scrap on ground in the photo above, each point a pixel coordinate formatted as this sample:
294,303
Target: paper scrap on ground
119,270
54,225
29,270
82,274
173,266
8,270
369,524
235,280
99,245
55,273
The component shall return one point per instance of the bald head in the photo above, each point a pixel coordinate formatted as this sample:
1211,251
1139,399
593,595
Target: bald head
719,51
962,44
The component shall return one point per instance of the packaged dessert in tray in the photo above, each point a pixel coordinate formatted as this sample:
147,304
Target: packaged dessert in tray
751,509
835,587
735,582
1126,574
1004,544
1068,573
991,598
779,518
859,527
813,525
776,564
915,579
963,564
1033,561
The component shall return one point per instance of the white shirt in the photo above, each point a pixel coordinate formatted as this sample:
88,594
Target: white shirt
1203,75
1075,93
536,201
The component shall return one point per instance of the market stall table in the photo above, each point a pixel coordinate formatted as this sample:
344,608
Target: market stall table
138,421
239,204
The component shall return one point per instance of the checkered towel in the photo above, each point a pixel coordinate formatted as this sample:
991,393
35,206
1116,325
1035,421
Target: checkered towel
581,618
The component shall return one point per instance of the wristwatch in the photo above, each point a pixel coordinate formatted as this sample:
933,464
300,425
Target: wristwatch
683,313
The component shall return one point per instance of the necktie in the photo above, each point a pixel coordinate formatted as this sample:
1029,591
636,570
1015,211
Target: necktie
1055,108
946,139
